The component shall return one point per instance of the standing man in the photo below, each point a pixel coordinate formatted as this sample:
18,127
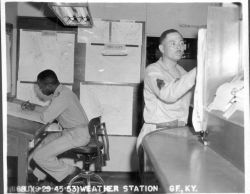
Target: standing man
167,87
67,110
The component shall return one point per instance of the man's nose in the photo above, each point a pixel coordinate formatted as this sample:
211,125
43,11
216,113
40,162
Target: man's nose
178,46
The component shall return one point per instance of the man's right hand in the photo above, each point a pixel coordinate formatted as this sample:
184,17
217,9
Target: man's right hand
28,106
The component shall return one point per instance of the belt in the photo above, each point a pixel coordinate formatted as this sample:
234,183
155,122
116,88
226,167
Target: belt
170,124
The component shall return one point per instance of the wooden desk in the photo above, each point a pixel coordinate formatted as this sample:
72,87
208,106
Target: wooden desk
20,133
179,159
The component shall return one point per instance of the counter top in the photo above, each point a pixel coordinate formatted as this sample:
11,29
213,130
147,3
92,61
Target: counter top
180,159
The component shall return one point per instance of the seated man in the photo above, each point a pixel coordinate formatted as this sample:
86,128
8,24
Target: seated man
167,88
67,110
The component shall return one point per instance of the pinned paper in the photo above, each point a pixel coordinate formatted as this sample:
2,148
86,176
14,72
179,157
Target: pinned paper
198,119
229,98
121,69
99,33
114,50
126,33
39,52
114,103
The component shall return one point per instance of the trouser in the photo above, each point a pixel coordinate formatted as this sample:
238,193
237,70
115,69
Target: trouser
45,155
144,163
150,127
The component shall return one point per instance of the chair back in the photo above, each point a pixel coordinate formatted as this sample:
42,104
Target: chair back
94,123
98,133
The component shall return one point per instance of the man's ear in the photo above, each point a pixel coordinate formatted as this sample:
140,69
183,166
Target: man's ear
161,48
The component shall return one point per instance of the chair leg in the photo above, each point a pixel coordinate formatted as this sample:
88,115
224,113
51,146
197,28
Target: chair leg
99,178
88,180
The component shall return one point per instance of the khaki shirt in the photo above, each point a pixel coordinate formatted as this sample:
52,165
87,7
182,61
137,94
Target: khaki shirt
167,94
65,108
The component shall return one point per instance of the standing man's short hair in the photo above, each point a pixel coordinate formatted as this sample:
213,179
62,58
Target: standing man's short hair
166,32
48,77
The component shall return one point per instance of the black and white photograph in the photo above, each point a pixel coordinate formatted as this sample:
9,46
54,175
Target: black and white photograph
124,97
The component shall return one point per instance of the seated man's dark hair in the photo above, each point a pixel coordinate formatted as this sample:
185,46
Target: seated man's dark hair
48,77
166,32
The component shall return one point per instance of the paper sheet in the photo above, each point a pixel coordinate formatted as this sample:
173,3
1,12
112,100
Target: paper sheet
229,98
40,51
198,111
116,104
121,69
28,92
15,110
90,103
99,33
126,33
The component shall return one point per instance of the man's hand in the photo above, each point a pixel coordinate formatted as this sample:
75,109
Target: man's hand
28,106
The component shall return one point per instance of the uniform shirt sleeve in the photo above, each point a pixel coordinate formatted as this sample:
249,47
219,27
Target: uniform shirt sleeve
57,106
170,91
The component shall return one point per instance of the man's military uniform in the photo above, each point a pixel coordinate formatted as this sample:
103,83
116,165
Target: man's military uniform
167,97
67,110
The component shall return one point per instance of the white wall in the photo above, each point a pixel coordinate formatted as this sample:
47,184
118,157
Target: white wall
162,16
11,13
114,11
158,16
34,9
123,156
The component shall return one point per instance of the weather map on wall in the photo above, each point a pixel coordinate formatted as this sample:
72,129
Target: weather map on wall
99,33
121,69
40,50
116,110
126,33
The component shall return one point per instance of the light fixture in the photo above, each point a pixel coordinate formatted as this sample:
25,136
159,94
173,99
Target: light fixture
73,14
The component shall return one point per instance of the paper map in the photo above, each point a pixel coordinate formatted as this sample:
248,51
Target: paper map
46,50
99,33
116,103
121,69
126,33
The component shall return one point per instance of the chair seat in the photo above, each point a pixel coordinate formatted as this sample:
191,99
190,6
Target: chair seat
90,148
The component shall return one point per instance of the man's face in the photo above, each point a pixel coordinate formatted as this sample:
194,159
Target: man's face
44,88
40,95
173,46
